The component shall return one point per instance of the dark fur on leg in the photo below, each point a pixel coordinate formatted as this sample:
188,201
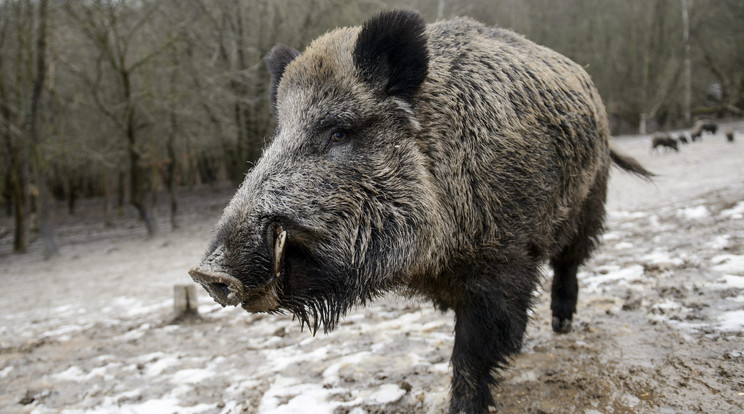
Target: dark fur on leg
565,289
489,326
565,292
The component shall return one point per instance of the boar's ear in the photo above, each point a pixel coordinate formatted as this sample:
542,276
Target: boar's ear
391,49
277,60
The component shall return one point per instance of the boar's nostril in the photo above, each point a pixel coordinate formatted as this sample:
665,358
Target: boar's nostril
224,288
222,294
220,290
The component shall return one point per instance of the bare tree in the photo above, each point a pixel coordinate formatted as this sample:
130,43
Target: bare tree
112,28
10,110
47,234
717,37
687,60
21,90
120,99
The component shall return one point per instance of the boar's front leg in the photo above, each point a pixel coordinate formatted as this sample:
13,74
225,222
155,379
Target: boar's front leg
489,325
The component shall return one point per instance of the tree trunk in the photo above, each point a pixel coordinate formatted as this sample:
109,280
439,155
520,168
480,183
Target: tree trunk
72,194
440,10
13,123
171,170
136,173
47,234
7,193
19,203
107,220
138,191
121,193
642,124
687,103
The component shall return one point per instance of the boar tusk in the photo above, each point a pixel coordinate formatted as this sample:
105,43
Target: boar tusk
279,251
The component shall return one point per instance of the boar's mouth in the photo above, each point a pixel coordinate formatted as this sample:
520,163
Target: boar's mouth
228,290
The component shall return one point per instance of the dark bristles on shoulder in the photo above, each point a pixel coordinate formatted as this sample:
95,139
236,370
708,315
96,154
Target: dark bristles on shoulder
391,49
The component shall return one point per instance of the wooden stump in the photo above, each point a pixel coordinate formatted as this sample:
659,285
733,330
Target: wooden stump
184,301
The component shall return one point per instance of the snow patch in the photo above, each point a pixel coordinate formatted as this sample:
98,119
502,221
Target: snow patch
287,397
331,373
624,245
622,276
441,368
74,373
667,305
137,333
161,365
720,242
63,332
162,405
662,258
626,215
735,212
291,355
729,282
386,394
729,263
613,235
5,371
732,321
191,376
694,213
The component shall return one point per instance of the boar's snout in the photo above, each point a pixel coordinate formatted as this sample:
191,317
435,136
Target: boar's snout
214,277
227,290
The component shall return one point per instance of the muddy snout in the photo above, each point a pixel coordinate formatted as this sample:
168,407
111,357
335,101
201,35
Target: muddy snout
228,290
223,288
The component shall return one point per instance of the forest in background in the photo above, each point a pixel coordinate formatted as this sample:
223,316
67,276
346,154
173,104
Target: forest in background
120,99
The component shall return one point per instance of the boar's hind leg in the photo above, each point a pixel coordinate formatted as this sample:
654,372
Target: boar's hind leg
565,289
564,296
489,325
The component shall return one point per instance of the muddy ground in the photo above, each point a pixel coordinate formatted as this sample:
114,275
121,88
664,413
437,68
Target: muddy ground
659,329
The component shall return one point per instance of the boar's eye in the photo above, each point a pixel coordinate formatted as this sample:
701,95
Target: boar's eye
338,136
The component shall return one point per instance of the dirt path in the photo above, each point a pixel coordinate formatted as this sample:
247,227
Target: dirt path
660,326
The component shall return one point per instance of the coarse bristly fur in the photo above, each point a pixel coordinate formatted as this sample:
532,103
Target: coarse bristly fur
449,160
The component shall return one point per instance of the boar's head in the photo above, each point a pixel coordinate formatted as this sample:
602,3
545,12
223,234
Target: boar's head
340,206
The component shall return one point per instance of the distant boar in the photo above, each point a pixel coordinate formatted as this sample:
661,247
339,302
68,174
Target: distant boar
696,134
663,140
702,126
449,161
730,135
708,126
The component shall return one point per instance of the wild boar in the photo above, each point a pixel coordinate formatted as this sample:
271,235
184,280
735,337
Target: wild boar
449,161
708,126
702,126
663,140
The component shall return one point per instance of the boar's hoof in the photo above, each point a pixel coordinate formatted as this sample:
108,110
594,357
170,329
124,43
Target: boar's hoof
561,326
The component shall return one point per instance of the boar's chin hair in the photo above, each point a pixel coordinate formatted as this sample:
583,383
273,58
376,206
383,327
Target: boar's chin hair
318,311
318,289
324,299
